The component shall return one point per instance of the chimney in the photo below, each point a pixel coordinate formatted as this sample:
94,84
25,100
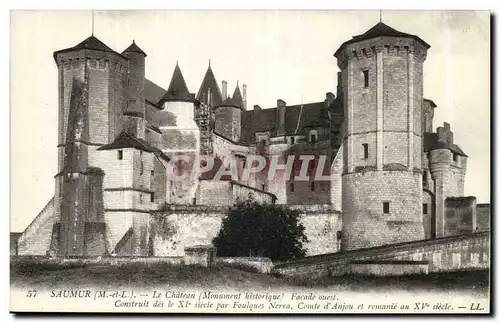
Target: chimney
244,96
339,84
224,90
449,137
441,134
280,117
329,98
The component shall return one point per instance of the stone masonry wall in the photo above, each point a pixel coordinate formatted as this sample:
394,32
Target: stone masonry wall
187,225
364,222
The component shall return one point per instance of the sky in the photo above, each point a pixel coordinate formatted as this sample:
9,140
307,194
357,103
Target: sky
279,55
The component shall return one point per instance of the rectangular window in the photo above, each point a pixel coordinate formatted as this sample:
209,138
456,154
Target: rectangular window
120,154
386,208
365,77
152,196
455,157
339,235
365,151
263,187
313,186
424,208
424,176
142,167
152,173
292,140
292,187
313,137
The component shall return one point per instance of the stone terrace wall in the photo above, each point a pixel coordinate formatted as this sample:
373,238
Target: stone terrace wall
443,254
181,226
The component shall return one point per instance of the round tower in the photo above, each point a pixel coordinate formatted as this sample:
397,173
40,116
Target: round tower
381,80
91,82
134,111
228,116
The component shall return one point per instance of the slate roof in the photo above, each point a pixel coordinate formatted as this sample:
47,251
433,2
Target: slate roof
90,43
431,142
152,92
133,48
126,140
235,101
296,122
210,82
379,30
177,90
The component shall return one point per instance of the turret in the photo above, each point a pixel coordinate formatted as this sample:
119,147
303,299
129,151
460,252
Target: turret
381,73
228,116
134,110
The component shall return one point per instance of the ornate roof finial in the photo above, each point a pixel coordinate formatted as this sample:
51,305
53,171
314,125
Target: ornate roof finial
176,63
380,15
209,63
237,83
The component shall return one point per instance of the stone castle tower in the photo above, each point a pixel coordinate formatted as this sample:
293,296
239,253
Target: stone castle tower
382,85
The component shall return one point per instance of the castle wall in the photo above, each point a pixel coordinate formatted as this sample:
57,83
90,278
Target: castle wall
364,221
37,237
460,216
183,226
336,180
483,214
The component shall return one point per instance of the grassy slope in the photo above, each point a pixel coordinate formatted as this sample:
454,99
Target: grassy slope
223,278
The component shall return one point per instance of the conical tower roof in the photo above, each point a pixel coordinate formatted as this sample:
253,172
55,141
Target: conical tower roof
380,30
235,101
209,82
91,42
133,48
177,90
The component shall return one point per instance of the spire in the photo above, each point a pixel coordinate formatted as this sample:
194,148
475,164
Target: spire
209,82
177,90
92,22
235,101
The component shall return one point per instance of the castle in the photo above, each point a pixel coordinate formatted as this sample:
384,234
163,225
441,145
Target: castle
386,177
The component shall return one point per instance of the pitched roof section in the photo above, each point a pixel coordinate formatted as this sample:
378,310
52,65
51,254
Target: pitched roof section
380,30
90,43
126,140
153,92
297,119
133,48
209,82
235,101
177,90
431,142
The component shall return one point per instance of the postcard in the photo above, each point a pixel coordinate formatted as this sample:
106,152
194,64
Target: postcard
250,162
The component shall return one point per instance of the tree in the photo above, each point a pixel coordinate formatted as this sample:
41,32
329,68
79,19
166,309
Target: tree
263,230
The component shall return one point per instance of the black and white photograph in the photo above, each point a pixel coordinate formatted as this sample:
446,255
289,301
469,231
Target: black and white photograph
250,161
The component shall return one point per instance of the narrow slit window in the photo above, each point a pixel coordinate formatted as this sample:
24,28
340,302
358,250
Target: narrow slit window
386,208
292,140
424,208
365,151
152,197
365,78
313,186
263,187
292,187
120,154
